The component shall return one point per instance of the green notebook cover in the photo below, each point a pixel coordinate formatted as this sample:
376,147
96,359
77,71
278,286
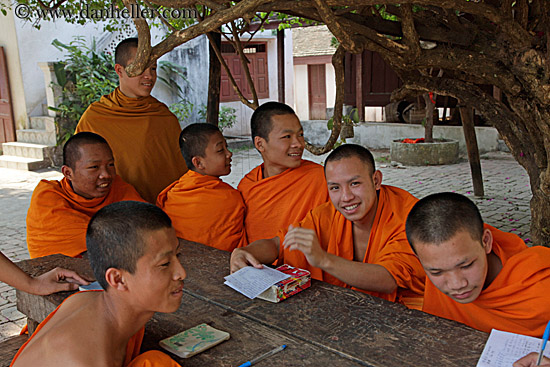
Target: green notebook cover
192,341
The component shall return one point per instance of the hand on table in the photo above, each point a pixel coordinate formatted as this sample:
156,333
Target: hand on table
241,258
56,280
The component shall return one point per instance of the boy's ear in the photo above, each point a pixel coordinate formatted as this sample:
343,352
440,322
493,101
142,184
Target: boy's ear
118,69
259,143
67,172
377,179
115,279
487,240
196,160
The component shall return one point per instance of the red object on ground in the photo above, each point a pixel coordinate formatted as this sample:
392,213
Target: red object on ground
413,141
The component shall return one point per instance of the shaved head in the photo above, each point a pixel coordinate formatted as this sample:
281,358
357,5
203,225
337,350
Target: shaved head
438,217
71,149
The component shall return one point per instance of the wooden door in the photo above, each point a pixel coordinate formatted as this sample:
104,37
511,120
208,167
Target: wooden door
317,92
7,128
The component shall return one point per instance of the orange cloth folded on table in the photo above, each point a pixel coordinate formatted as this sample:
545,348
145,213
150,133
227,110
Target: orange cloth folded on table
132,349
143,135
516,301
388,245
58,217
276,202
205,209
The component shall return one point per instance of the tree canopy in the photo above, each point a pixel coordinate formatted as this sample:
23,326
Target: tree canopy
500,43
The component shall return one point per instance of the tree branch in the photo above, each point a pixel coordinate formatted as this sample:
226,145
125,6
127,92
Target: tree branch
141,61
329,19
243,99
338,63
207,25
409,32
245,64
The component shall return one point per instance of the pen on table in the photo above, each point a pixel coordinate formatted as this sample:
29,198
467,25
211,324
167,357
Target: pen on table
263,356
544,341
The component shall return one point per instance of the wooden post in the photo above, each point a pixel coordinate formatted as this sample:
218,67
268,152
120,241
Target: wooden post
281,64
359,86
214,81
467,117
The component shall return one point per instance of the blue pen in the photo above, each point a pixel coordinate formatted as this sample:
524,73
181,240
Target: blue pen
544,341
263,356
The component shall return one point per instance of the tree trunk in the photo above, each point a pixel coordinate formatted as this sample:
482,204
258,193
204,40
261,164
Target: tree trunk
429,123
540,220
214,80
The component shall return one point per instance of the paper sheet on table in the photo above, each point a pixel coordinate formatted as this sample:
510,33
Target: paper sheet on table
503,348
252,282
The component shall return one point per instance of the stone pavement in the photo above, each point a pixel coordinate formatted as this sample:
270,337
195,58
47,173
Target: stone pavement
505,204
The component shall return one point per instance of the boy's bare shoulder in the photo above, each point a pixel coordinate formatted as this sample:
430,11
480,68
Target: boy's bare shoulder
72,337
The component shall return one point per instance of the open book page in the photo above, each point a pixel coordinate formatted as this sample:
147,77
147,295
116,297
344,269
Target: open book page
252,282
503,348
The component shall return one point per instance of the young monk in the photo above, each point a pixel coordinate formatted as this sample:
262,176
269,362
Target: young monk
477,274
202,207
142,132
132,249
60,210
356,240
55,280
285,187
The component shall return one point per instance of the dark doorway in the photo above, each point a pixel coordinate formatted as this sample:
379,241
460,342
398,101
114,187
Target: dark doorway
7,128
317,88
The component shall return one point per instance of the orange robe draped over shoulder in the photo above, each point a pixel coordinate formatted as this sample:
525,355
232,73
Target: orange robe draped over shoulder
387,246
133,358
276,202
143,135
518,299
58,217
205,209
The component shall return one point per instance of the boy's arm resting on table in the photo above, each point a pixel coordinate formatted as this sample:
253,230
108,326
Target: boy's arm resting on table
370,277
55,280
530,360
255,254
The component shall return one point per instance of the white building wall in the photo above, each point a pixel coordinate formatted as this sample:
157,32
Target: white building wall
36,46
301,94
331,85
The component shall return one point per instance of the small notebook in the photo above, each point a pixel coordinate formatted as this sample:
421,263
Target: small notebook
195,340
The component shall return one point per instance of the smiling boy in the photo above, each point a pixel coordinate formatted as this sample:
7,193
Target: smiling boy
141,130
133,250
478,275
356,240
202,207
60,210
284,187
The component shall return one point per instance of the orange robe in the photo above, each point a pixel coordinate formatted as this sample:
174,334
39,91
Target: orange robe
143,135
518,299
58,217
387,246
276,202
133,358
205,209
153,358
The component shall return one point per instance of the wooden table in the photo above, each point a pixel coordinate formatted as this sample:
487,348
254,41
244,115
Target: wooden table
324,325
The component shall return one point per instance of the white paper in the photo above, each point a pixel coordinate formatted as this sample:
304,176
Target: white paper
252,282
503,349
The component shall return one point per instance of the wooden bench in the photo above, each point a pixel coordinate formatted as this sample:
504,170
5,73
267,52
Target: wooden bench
9,347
